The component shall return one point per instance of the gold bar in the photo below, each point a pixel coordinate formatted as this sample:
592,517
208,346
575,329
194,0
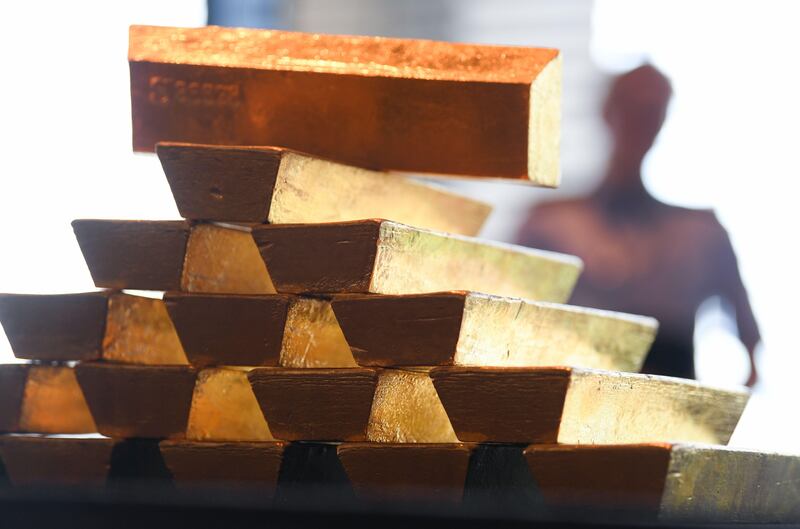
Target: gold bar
422,472
49,461
380,257
280,186
669,482
471,329
351,404
315,404
129,401
252,465
42,399
267,330
391,104
112,326
384,257
583,406
225,409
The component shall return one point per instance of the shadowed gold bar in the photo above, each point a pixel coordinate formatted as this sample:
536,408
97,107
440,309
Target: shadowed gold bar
427,472
280,186
112,326
231,464
391,104
670,482
267,330
583,406
42,399
384,257
61,461
467,328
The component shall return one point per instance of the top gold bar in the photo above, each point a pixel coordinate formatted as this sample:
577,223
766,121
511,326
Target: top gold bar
391,104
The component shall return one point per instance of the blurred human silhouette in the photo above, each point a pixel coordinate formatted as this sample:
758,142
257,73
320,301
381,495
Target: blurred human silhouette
641,255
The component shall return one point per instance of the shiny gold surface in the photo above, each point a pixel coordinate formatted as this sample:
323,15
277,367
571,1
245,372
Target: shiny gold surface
312,336
53,403
407,409
714,484
411,261
342,54
139,331
604,407
224,260
310,189
224,408
508,332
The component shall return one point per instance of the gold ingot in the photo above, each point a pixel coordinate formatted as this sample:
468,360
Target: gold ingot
583,406
407,409
470,329
669,482
224,260
139,331
280,186
225,409
383,257
52,402
396,104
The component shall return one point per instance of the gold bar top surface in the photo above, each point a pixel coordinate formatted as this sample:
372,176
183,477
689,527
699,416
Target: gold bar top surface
340,54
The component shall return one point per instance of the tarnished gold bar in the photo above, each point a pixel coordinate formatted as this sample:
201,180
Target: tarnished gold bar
669,482
583,406
266,330
56,461
390,104
225,409
280,186
384,257
250,465
42,399
112,326
467,328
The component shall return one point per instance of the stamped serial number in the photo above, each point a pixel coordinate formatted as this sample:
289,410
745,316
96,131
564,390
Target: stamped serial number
165,91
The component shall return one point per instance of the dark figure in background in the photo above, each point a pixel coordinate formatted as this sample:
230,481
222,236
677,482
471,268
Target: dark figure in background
643,256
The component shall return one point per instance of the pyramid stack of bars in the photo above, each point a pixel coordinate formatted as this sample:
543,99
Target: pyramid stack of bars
323,326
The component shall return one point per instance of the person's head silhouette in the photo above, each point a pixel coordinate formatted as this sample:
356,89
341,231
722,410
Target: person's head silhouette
634,111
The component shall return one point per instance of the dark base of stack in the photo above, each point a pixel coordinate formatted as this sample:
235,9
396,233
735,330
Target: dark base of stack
154,507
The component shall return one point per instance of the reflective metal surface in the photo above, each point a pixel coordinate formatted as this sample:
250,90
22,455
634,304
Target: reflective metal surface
411,260
225,409
497,331
139,331
224,261
309,189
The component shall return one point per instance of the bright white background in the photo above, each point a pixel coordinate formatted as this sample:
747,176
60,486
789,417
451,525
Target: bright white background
729,143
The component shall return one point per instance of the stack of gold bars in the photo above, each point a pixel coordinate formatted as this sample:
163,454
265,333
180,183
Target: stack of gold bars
321,323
